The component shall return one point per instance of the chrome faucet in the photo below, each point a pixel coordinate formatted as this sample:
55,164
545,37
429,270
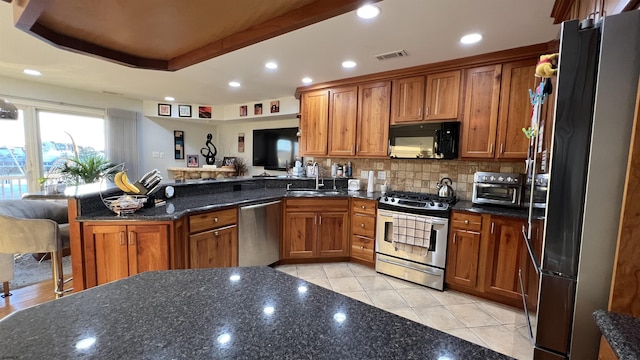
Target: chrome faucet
316,167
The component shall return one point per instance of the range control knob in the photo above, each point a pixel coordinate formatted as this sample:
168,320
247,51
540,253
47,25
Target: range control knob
440,205
500,178
484,178
386,199
393,200
509,179
493,178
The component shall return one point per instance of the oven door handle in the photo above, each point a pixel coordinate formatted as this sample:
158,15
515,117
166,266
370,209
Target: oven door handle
387,217
408,266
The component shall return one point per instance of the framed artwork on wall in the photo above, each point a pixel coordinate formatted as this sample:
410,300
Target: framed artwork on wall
192,160
275,106
204,112
164,109
184,110
257,109
243,110
178,140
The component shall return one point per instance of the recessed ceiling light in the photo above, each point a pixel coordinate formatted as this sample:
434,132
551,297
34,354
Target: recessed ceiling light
271,65
307,80
368,11
32,72
471,38
234,84
348,64
169,98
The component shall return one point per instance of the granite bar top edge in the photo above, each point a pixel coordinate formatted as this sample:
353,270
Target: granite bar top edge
621,331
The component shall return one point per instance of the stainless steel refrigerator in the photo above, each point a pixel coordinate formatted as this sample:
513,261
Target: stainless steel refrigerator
598,74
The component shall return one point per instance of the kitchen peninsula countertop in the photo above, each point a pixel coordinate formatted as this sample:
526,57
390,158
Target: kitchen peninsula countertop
621,331
464,205
207,313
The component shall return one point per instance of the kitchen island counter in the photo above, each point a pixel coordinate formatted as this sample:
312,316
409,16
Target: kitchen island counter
250,313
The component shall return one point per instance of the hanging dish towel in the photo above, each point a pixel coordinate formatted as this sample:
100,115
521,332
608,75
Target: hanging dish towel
411,234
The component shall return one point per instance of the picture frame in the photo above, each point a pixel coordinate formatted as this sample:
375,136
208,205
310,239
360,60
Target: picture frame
164,109
204,112
275,106
184,110
193,161
229,161
243,110
257,109
178,144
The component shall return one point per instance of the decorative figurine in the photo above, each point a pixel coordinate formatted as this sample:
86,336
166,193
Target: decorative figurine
209,156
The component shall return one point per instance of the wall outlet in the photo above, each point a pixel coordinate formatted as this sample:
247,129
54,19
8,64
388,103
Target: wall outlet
328,162
364,174
155,154
382,175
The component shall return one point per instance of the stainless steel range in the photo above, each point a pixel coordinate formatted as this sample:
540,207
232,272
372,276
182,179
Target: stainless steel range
411,237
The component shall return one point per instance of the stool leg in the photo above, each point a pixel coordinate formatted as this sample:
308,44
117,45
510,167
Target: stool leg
58,282
5,286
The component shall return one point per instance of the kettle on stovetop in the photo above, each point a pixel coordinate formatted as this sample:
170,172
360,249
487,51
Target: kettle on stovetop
444,189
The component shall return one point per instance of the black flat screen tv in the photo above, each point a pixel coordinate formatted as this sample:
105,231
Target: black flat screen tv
275,149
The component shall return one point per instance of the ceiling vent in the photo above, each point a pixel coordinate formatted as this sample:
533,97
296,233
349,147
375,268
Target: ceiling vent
391,55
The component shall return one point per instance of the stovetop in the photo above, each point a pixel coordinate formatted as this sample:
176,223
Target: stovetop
403,200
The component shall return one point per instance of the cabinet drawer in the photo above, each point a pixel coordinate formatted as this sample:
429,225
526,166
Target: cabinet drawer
315,204
362,248
212,220
364,206
363,225
466,221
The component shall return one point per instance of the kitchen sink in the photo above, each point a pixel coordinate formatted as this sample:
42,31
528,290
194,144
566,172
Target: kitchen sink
314,192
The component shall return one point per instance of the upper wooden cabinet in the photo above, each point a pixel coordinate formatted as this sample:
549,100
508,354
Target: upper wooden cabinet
356,119
409,103
343,107
314,122
480,117
443,91
374,102
515,108
496,108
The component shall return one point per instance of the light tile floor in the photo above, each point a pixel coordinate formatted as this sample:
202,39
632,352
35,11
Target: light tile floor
486,323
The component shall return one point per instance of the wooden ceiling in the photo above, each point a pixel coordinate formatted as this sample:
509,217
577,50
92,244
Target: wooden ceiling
167,34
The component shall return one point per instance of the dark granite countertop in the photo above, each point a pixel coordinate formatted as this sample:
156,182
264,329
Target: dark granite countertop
180,206
207,313
523,213
621,331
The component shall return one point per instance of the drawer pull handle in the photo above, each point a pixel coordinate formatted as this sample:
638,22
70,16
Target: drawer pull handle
362,247
364,207
215,219
215,233
362,225
466,222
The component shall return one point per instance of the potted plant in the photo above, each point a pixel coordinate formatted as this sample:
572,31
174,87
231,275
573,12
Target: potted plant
86,168
240,166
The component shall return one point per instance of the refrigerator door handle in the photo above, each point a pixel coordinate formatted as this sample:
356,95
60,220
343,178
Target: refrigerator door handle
532,255
526,309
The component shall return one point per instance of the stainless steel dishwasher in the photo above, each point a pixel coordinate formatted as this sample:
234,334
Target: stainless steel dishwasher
259,234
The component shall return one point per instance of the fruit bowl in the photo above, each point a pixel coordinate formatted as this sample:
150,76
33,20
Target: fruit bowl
125,204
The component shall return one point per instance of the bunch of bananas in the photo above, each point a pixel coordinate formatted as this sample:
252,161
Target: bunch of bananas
122,181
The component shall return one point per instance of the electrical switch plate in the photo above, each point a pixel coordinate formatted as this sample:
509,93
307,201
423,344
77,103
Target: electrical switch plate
382,175
328,162
155,154
161,155
364,174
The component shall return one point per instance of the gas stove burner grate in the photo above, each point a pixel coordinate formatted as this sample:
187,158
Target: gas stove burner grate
420,197
417,203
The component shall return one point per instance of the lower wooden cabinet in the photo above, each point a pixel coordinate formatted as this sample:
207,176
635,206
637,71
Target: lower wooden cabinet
213,239
315,228
487,254
363,230
113,252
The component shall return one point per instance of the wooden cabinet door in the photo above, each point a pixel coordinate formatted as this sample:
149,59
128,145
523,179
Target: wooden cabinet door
373,119
148,248
299,235
480,116
105,253
333,235
314,122
506,255
343,107
214,248
407,99
515,108
464,253
443,92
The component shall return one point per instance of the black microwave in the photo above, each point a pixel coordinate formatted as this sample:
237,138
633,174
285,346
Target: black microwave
437,140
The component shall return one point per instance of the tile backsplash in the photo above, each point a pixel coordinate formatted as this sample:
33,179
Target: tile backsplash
422,175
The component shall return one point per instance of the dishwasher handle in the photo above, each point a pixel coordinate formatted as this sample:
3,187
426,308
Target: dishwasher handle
249,207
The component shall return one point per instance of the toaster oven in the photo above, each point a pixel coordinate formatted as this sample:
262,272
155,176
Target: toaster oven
504,189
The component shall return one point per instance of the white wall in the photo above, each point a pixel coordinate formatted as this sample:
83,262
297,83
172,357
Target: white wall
227,140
